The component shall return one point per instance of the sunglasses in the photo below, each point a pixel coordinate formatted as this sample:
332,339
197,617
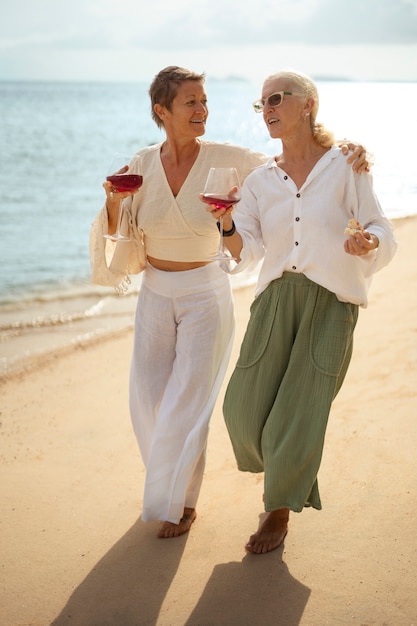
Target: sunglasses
274,100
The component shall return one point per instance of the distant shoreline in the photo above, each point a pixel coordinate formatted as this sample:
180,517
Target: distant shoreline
211,79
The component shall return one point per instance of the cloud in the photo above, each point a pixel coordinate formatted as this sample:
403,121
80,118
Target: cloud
163,25
131,40
363,22
314,22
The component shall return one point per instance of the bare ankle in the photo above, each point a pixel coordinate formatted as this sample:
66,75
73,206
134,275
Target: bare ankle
282,515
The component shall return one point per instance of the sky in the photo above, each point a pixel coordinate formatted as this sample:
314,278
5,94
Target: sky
131,40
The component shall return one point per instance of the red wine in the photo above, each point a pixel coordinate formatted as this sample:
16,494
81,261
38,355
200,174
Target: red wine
220,201
125,182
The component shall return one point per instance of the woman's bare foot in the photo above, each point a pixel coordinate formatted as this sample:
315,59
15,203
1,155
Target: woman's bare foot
271,534
169,529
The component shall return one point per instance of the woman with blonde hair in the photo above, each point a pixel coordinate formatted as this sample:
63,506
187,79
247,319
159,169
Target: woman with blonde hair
298,344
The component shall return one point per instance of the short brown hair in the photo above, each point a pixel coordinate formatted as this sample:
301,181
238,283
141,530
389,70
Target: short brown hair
164,87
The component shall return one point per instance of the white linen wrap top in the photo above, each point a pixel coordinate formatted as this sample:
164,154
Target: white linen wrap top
161,225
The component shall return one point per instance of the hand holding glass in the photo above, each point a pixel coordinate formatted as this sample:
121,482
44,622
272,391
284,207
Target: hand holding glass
125,176
222,190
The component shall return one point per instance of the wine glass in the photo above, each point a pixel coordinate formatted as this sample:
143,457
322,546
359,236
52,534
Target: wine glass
124,180
222,190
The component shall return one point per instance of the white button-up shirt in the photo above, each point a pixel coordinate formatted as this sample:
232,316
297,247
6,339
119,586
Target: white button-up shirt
302,230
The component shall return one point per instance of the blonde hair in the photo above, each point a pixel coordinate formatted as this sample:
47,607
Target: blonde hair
296,81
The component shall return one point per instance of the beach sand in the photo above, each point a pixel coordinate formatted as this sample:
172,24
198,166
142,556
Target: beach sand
75,552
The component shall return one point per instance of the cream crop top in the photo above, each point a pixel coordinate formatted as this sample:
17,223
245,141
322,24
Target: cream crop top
180,228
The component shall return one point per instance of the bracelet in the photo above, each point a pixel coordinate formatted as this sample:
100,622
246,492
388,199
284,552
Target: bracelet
227,233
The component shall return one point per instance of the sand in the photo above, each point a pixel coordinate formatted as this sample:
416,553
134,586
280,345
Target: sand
74,550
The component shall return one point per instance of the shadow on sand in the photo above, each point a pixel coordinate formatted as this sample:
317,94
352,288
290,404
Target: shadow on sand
258,590
128,586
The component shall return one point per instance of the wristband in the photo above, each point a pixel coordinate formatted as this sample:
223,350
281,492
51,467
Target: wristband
227,233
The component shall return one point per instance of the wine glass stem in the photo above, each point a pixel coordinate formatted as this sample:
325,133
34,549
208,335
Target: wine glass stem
119,219
221,242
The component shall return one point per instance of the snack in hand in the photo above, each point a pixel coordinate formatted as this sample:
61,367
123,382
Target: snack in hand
353,227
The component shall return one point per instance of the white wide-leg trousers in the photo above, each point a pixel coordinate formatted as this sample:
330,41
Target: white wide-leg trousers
184,330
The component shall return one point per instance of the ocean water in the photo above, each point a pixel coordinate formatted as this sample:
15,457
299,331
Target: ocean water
57,140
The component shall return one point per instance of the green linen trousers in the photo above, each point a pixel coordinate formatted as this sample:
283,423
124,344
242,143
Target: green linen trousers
292,363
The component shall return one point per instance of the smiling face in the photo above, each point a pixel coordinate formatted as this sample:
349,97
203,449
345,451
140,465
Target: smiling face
286,118
186,117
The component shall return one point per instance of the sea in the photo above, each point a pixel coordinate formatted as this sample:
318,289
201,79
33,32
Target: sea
57,140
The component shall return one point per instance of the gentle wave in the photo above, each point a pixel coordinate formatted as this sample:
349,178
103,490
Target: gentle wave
32,329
